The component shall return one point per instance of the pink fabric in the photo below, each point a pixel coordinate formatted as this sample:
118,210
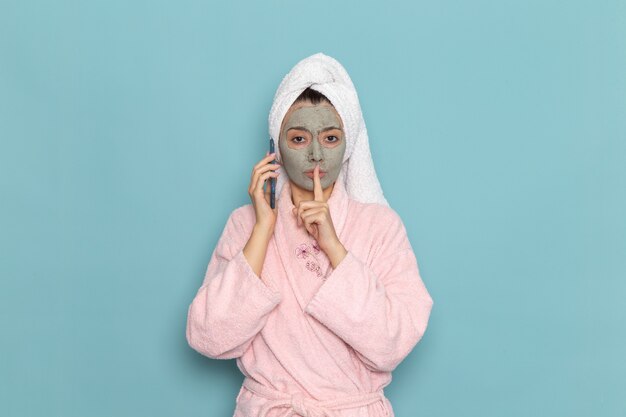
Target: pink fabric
307,330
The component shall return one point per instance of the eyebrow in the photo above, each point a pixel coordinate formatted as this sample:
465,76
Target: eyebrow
307,130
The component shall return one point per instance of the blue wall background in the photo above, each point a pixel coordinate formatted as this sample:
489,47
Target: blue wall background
128,132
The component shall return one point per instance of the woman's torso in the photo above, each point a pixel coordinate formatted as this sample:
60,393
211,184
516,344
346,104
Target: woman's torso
294,352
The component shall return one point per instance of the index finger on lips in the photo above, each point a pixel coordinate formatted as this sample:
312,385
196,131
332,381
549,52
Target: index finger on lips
317,184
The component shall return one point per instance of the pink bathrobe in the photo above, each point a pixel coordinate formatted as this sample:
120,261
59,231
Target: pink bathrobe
313,340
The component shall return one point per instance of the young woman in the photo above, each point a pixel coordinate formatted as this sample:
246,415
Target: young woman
320,298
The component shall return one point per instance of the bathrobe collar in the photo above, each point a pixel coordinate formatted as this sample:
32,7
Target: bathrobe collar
305,263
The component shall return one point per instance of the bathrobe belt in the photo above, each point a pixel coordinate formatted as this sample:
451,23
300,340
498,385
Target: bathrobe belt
308,407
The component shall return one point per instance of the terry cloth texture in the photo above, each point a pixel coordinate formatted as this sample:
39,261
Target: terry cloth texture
319,339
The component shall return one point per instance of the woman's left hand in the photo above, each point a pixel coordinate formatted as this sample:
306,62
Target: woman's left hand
316,218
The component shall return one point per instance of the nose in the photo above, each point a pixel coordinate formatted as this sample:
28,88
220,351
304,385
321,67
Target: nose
316,151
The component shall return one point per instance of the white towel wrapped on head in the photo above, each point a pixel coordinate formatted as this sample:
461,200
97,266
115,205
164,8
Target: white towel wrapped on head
326,75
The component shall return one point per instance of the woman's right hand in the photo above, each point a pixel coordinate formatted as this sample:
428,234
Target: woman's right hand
264,170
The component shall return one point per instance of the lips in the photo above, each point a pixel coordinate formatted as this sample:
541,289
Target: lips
311,175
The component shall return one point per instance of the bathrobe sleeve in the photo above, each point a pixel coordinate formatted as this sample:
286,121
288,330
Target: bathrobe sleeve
233,303
382,309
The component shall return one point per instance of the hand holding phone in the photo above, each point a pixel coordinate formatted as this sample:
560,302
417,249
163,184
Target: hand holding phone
259,191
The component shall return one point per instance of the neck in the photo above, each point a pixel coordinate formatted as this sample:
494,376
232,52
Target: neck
299,194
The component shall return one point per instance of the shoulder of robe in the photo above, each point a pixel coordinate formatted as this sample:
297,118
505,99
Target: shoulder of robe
376,217
244,217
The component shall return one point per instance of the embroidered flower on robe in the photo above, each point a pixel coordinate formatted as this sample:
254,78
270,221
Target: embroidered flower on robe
304,251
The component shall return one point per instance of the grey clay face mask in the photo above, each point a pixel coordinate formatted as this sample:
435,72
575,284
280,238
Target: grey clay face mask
312,142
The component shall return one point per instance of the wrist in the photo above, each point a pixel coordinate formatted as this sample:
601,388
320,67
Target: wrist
263,230
334,247
336,254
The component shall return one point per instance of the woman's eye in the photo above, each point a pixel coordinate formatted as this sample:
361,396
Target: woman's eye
332,139
296,139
